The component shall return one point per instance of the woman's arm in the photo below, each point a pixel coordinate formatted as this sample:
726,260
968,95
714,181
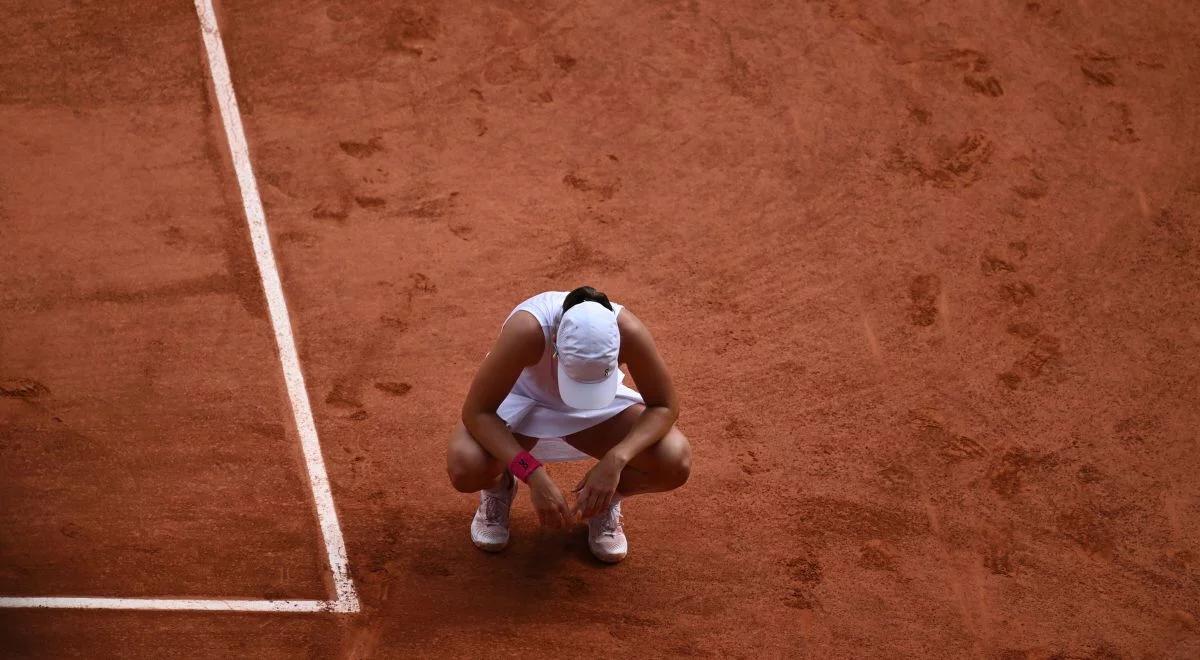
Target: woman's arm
649,371
595,492
519,345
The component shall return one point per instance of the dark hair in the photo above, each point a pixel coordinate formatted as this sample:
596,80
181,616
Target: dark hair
586,294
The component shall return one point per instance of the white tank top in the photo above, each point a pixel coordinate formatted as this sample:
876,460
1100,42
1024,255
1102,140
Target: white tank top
534,407
540,381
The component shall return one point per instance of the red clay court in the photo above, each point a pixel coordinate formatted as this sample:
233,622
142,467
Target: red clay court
927,276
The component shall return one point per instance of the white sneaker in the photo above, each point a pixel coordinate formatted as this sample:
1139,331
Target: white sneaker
489,528
606,535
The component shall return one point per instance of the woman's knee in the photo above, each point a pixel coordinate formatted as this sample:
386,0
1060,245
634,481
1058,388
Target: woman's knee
675,459
462,477
466,462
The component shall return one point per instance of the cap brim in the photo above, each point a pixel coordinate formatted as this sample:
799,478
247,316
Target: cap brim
588,396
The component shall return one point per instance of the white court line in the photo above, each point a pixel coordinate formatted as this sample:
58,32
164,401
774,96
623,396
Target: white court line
256,218
177,604
331,532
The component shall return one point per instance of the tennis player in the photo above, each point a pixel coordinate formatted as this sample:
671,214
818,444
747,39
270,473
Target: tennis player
551,389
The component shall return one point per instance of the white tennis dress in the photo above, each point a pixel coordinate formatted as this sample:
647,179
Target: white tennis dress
534,407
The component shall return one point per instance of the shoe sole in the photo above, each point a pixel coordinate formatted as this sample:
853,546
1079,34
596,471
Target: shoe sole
610,559
490,547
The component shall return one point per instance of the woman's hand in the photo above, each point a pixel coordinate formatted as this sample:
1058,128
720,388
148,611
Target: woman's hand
595,491
548,500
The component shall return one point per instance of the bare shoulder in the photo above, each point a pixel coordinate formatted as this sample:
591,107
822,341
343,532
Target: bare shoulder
522,338
633,331
627,321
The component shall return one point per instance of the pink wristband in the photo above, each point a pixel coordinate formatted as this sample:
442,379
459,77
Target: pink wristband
523,465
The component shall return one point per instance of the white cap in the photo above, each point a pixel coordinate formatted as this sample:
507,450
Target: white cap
588,347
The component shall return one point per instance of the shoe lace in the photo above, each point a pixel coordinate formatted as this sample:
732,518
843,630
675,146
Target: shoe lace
496,506
610,521
494,509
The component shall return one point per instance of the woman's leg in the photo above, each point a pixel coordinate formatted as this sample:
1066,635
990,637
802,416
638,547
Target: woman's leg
663,466
470,466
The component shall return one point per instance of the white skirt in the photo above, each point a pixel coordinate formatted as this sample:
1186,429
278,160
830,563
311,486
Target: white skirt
550,425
